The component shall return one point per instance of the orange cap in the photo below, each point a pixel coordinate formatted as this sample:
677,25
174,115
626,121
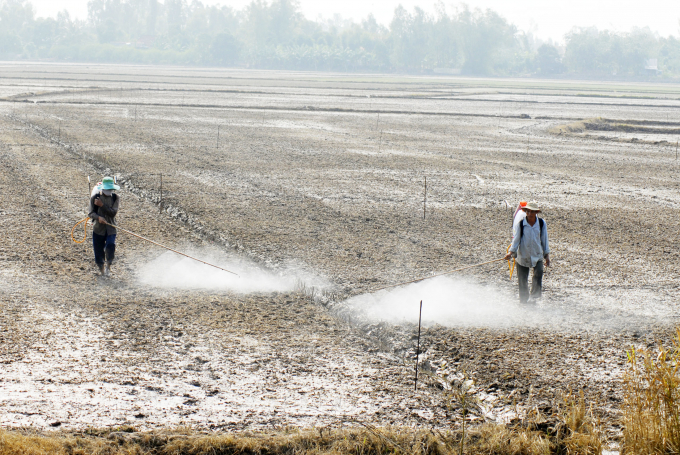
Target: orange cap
523,203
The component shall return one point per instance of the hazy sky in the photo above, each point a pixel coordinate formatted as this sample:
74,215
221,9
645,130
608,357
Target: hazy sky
546,18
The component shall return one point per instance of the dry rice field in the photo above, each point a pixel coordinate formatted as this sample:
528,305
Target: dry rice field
311,187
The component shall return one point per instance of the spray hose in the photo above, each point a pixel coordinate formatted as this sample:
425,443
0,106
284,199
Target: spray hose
511,266
84,221
73,229
439,274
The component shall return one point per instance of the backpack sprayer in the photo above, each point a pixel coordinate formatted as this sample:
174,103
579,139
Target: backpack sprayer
517,216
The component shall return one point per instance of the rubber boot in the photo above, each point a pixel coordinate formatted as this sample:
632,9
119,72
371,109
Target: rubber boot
101,269
107,269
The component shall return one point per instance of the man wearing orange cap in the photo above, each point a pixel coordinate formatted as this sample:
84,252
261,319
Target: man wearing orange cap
530,248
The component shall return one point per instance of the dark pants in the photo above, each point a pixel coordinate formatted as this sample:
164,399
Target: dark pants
536,282
104,247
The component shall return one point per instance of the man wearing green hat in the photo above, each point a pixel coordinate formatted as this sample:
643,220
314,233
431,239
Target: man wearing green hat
103,209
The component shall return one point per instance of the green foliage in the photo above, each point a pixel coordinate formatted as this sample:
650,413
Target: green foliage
10,45
548,60
669,55
15,15
590,51
225,49
485,33
274,34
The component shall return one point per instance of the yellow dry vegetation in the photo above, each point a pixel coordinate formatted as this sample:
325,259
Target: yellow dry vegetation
369,440
651,413
575,127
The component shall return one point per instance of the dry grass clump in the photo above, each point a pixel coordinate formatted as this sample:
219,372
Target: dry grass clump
631,127
579,430
355,441
567,429
15,443
651,412
570,430
367,440
574,127
602,124
496,439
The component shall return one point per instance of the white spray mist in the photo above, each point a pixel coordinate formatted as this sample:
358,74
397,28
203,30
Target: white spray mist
446,301
172,271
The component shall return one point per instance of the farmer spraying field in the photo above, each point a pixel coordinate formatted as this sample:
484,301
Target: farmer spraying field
102,212
531,250
103,208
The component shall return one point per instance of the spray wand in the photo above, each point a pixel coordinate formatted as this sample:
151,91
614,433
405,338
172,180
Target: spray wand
439,274
85,220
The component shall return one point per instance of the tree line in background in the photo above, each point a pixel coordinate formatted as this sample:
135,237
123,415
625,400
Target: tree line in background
275,35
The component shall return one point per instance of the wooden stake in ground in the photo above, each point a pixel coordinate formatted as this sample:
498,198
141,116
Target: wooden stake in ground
160,204
425,198
420,318
500,112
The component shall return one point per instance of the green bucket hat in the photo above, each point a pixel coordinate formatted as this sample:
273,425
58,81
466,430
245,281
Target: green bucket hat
107,184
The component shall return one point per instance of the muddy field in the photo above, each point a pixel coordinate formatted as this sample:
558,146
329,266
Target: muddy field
312,187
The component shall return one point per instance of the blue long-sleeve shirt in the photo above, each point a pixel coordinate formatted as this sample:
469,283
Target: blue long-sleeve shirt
533,245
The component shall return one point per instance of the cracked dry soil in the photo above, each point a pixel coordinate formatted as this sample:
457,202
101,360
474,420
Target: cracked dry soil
323,174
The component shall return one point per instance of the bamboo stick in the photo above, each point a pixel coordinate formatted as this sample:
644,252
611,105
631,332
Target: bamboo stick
420,319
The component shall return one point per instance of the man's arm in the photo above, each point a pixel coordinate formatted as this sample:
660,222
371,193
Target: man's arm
512,252
92,210
545,244
515,240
